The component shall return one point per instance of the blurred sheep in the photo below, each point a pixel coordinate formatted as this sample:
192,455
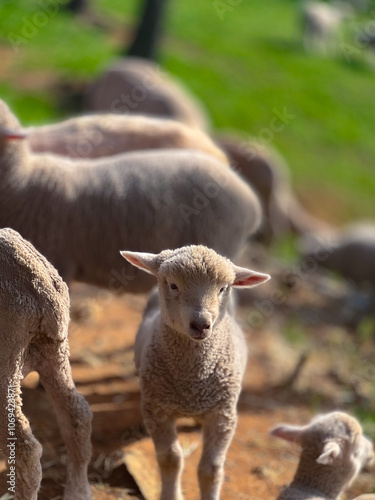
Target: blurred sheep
34,317
349,252
78,214
320,24
135,85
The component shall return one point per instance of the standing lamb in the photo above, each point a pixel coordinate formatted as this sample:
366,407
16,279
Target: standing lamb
78,214
191,355
95,136
334,451
34,317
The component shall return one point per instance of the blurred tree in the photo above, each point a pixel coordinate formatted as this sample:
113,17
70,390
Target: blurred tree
77,6
146,41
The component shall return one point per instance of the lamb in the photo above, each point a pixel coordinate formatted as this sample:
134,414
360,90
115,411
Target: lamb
34,317
321,22
96,136
78,214
191,355
134,85
349,252
334,451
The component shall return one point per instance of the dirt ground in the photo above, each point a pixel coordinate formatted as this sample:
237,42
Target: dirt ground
123,464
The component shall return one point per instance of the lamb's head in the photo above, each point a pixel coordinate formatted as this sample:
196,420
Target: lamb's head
194,286
333,440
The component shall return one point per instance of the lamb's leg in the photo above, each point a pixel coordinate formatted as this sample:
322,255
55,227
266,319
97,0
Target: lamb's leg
21,450
74,418
218,431
162,430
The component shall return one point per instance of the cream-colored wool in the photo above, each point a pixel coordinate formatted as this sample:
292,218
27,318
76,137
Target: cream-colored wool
135,85
34,317
334,451
95,136
191,355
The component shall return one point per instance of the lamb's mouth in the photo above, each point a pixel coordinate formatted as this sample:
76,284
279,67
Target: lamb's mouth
199,336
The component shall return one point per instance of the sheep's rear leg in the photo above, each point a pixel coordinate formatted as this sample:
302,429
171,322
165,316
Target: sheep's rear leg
74,418
162,430
24,452
218,432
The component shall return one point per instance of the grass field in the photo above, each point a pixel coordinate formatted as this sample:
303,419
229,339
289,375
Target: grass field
244,65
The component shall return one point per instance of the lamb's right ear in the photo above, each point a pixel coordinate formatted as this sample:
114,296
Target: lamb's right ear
291,433
145,261
10,134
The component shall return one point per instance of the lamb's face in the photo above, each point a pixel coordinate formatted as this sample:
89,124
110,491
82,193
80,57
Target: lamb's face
193,307
194,284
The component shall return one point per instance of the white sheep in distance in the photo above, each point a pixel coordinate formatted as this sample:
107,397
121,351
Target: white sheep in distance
334,451
135,85
320,23
95,136
78,214
191,355
34,317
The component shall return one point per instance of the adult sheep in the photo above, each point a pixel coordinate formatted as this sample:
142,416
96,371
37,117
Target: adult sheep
79,214
135,85
95,136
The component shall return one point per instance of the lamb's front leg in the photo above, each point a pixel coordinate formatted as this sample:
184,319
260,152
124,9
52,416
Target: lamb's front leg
162,429
218,430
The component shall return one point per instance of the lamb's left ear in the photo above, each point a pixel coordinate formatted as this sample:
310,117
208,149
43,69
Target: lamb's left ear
145,261
248,278
330,453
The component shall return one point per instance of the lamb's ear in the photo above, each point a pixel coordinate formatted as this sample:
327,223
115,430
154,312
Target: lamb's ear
330,453
248,278
9,134
291,433
145,261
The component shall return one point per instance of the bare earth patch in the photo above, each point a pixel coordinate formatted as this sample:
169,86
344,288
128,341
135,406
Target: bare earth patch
123,465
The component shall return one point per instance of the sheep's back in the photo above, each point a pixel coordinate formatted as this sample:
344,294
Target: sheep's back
31,291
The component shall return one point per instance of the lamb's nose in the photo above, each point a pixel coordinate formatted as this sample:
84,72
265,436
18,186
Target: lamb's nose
200,327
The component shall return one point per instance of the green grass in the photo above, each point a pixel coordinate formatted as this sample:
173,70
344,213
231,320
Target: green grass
242,67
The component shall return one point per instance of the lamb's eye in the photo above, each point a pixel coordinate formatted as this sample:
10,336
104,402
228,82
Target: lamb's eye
223,289
172,286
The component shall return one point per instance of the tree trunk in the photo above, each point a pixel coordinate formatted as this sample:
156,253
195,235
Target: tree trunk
146,41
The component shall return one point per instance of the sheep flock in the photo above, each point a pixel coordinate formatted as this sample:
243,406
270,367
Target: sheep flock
149,200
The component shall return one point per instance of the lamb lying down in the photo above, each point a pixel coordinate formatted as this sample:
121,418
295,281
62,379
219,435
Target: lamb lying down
191,355
34,317
334,451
